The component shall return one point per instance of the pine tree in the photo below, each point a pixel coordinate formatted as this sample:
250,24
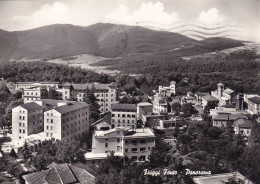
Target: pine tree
90,98
26,152
13,154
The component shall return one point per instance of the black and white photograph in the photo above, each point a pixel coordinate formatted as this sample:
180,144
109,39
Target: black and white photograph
130,91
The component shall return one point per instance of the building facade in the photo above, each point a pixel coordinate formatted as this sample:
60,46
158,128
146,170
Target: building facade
124,115
67,122
144,108
27,119
135,145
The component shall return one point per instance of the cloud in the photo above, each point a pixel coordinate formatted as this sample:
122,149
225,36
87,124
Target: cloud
47,14
211,16
152,13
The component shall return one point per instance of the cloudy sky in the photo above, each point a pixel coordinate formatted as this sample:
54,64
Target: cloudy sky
28,14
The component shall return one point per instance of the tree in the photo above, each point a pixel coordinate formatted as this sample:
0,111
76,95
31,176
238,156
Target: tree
13,154
26,152
176,107
234,180
188,110
90,98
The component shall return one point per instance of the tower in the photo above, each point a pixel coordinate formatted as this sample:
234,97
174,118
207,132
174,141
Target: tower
220,90
172,87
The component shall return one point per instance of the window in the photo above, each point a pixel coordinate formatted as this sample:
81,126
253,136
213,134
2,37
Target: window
47,127
20,117
106,139
123,115
126,141
20,124
106,144
142,149
118,115
24,131
133,116
134,141
51,127
47,134
118,139
20,131
118,132
134,150
142,141
126,150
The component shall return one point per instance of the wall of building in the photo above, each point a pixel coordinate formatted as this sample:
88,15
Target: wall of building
124,118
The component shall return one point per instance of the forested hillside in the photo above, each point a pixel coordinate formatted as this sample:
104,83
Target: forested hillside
41,71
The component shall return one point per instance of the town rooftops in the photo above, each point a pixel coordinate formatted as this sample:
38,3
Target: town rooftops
243,123
139,133
225,117
30,106
202,93
70,107
128,132
100,156
37,82
90,85
131,107
210,98
219,178
60,174
228,91
144,104
255,100
106,119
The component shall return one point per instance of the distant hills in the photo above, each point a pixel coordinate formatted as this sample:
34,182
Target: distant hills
107,40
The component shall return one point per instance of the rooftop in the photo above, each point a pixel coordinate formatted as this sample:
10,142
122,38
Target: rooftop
144,104
210,98
96,156
90,85
124,107
255,100
218,178
140,132
59,174
70,107
225,116
30,106
228,91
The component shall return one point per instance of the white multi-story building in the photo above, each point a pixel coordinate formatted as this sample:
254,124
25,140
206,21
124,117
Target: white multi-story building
25,85
144,108
124,115
160,105
253,105
67,122
135,145
27,119
105,93
168,90
38,93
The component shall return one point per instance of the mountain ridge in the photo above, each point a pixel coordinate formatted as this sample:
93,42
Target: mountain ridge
101,39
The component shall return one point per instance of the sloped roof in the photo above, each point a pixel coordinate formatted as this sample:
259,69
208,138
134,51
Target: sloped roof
210,98
62,173
228,91
106,119
255,100
30,106
131,107
144,104
70,107
90,85
225,116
